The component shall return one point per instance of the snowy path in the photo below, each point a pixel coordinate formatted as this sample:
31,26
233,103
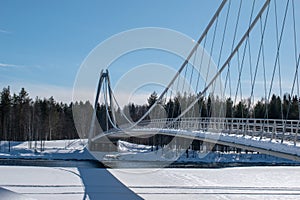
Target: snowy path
91,183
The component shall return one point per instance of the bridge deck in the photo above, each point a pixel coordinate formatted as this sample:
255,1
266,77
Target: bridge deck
274,137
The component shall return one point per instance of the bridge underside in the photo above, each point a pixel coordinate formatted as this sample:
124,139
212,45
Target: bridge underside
216,142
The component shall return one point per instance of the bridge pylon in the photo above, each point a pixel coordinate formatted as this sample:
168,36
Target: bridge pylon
104,86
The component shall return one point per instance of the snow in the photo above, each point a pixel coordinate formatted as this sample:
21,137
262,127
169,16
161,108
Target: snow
225,183
75,150
47,183
130,147
52,150
133,152
91,183
63,183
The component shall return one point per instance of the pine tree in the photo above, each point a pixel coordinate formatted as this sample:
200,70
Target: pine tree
229,108
25,115
259,109
152,99
202,107
241,110
294,111
169,108
274,108
5,105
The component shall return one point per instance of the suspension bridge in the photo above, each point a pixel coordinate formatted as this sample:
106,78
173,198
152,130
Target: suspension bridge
254,53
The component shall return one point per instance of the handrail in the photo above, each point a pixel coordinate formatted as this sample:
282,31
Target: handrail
283,130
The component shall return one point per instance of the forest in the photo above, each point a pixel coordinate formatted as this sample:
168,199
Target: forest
25,119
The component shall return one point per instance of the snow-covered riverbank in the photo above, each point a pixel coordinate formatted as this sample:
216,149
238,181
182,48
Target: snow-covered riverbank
52,150
76,150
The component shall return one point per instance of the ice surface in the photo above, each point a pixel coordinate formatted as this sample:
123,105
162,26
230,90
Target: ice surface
93,183
90,183
225,183
63,183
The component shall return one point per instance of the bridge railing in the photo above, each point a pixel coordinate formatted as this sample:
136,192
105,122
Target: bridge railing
274,129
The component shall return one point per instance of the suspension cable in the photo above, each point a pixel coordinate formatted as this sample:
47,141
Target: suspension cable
294,82
296,52
240,68
209,61
260,52
278,48
185,62
278,63
222,43
230,56
106,108
232,46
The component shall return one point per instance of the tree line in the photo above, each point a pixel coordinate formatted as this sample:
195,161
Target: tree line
285,108
26,119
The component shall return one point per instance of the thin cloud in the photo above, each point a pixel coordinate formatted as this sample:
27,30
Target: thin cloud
9,65
17,66
38,89
5,31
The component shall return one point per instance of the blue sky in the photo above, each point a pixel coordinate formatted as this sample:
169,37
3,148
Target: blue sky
43,43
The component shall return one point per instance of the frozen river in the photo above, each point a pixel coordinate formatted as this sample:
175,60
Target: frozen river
153,183
67,179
